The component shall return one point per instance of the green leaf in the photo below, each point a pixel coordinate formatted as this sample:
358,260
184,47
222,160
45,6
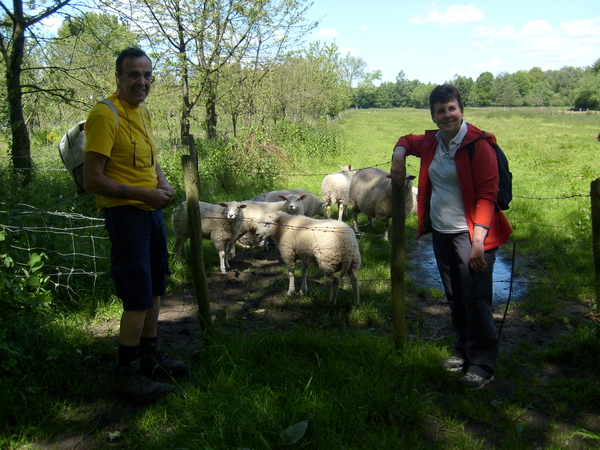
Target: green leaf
294,433
35,262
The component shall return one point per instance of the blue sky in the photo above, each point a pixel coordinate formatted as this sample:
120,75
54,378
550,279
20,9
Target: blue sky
434,41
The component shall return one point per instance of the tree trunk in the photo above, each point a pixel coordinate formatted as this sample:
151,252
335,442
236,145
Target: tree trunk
211,109
21,145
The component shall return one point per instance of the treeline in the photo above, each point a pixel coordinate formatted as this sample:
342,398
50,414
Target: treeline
220,68
569,87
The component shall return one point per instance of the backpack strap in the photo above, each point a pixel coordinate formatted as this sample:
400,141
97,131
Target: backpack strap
112,106
471,146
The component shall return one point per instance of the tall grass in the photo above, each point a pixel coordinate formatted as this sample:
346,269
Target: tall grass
338,372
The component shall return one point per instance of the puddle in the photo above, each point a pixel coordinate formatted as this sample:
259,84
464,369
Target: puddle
423,268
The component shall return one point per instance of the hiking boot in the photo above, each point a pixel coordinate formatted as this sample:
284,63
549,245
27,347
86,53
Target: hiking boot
131,384
454,364
475,382
155,363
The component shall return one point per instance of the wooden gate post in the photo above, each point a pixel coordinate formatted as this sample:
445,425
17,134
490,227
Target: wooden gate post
398,265
595,200
190,179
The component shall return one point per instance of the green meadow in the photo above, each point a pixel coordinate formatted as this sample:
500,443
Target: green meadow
336,380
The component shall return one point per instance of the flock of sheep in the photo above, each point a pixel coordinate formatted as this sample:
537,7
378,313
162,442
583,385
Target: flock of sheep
287,217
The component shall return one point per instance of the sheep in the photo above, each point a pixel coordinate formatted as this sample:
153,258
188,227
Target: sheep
300,201
371,193
415,193
330,245
220,223
334,189
252,213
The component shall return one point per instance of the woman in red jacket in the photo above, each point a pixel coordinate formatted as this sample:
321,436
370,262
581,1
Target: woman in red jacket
457,204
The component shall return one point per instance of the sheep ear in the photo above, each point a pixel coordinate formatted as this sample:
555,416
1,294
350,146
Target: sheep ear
243,205
411,177
283,197
302,197
224,205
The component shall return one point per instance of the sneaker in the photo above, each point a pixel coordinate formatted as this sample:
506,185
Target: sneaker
155,363
131,384
475,382
454,364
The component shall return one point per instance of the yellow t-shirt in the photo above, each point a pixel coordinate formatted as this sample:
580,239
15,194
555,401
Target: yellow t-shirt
131,150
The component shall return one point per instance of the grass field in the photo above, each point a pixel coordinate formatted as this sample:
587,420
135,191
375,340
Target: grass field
334,383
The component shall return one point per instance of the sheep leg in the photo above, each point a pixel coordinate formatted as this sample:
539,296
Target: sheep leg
223,261
355,214
354,281
340,211
292,284
180,246
335,285
328,209
304,289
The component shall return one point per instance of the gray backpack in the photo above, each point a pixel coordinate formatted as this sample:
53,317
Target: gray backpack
72,149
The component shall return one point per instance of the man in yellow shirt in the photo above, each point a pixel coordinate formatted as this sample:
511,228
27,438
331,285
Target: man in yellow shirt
131,189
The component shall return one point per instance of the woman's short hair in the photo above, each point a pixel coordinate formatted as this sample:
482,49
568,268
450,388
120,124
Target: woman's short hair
129,52
444,93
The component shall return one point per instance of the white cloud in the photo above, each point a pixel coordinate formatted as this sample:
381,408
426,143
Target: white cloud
327,33
574,43
582,28
454,16
492,65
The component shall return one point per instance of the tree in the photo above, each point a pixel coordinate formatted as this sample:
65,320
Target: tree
464,86
83,54
564,80
505,91
386,95
196,40
17,26
419,97
587,94
540,94
366,90
353,69
404,89
482,89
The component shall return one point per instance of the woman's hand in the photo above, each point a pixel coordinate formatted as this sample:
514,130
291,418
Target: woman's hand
398,169
476,260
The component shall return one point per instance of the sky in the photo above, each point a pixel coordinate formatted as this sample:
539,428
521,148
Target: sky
434,41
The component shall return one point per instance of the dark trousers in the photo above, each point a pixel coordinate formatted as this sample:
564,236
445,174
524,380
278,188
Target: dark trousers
470,296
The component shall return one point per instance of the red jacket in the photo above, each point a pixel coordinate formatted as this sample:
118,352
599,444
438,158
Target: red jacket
478,180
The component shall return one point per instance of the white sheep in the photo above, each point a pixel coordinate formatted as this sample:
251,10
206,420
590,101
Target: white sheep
415,193
334,189
252,213
371,193
330,245
300,201
220,223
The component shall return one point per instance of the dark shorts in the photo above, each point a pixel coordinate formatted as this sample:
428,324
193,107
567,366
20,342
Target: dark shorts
139,257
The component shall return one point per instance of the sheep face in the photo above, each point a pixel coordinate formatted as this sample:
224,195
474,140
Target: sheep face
232,210
266,226
295,205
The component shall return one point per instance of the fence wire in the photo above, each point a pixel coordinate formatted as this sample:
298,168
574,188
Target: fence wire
83,270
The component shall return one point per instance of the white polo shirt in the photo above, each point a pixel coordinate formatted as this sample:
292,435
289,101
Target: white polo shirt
447,211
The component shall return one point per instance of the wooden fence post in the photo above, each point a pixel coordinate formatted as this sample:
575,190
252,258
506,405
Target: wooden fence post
398,265
595,200
190,179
